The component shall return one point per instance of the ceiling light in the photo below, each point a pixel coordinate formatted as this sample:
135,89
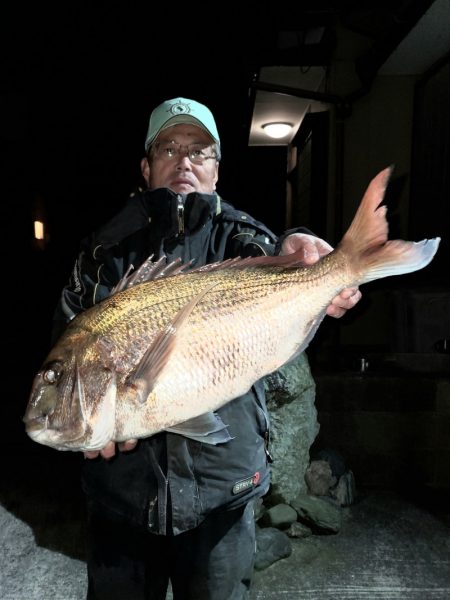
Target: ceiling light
277,130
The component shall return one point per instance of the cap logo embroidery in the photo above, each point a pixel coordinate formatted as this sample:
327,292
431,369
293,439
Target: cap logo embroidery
180,108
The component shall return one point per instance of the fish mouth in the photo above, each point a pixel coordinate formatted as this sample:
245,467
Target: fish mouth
39,430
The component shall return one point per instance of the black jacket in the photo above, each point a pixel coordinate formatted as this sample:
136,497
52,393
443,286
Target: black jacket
169,482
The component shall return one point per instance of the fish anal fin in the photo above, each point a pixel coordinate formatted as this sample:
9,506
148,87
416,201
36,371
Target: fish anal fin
207,428
155,358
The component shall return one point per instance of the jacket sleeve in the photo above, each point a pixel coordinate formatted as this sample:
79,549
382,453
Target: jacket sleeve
100,264
94,274
249,240
247,236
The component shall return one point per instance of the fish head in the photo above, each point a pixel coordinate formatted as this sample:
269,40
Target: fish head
72,400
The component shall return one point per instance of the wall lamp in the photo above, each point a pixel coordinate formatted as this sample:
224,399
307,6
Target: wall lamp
277,130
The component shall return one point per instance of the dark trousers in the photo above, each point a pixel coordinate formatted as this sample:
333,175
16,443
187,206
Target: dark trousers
212,562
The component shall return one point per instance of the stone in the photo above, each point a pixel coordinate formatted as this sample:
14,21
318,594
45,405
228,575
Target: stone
290,395
298,530
319,478
345,490
280,516
333,458
318,513
271,545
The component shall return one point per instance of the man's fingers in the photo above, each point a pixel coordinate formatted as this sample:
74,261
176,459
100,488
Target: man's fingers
109,450
350,293
127,445
335,311
349,297
91,453
311,247
343,302
310,253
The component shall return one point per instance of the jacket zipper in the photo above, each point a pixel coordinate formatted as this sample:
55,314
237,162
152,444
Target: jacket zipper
180,214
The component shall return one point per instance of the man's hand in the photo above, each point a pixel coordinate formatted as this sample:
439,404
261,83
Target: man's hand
314,248
345,300
110,449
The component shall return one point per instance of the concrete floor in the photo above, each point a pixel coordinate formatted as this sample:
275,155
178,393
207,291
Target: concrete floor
390,547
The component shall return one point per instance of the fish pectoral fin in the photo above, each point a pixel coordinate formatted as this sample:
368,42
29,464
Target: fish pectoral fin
157,355
207,428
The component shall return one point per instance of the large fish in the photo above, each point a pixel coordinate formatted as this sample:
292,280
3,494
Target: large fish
164,354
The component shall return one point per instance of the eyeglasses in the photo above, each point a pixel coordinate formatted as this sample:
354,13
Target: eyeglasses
197,153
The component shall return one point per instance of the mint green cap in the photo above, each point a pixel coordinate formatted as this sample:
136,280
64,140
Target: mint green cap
180,110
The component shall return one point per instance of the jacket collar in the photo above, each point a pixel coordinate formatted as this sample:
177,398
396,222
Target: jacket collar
166,208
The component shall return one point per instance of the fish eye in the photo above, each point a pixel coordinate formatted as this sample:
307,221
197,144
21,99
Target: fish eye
52,373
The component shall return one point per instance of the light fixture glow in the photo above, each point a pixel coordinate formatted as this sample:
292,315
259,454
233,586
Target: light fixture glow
39,230
277,130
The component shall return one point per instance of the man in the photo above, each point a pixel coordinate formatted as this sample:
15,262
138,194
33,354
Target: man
170,507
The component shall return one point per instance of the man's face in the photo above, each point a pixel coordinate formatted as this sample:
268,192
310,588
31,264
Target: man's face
180,174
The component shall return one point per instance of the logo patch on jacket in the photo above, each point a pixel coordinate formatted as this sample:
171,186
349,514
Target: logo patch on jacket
244,484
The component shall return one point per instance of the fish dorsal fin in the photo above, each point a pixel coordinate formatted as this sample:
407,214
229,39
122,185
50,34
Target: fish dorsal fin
294,260
149,271
145,376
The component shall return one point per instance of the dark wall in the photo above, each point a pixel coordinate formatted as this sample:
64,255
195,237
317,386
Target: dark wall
430,173
262,189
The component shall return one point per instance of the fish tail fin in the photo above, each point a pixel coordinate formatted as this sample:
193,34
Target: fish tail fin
366,242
